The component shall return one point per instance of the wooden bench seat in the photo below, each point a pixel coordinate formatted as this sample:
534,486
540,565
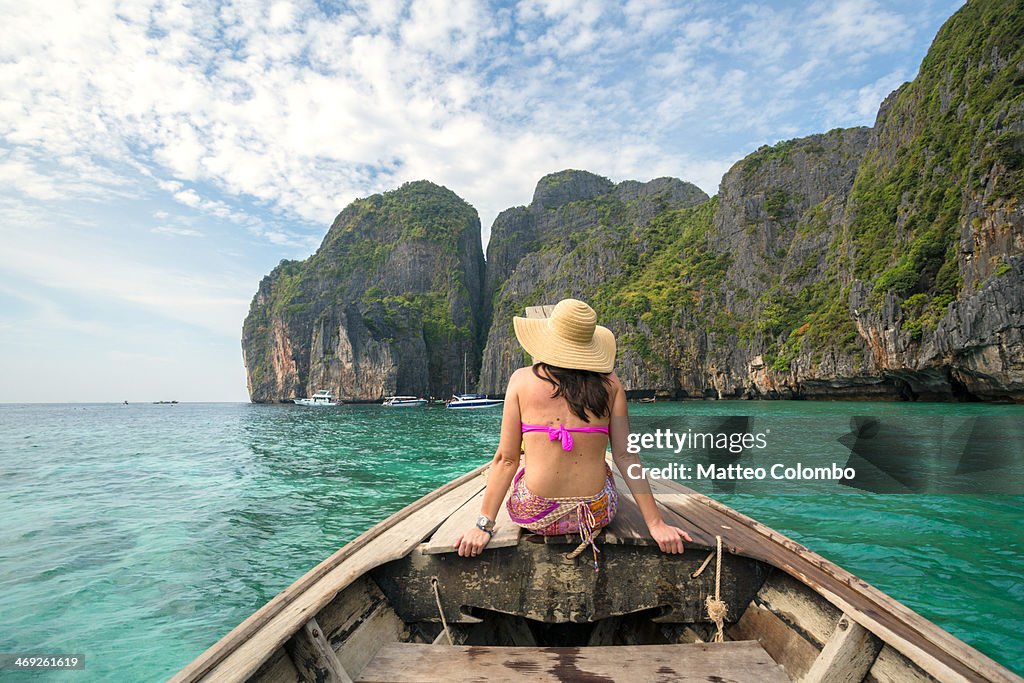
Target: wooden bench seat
627,528
730,661
506,532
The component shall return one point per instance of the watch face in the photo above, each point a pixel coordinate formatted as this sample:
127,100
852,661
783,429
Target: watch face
484,522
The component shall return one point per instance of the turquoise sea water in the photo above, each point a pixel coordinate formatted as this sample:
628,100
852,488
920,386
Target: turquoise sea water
138,535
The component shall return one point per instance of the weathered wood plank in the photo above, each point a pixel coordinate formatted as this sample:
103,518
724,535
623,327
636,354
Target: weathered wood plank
786,646
279,668
235,656
409,663
349,609
708,523
536,581
313,657
506,532
892,667
701,537
628,525
847,655
809,613
377,630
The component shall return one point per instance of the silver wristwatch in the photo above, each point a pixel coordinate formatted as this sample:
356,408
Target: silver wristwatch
485,523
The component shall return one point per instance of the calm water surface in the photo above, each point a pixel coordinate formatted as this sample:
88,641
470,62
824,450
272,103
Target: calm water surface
139,535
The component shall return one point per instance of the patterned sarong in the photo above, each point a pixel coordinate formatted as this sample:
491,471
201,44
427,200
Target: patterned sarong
557,516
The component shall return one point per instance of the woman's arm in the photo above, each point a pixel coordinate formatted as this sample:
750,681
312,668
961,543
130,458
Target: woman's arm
503,469
669,538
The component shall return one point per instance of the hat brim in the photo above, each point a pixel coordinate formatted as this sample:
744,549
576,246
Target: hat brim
540,341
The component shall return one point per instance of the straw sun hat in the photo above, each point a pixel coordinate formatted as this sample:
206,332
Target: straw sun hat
570,338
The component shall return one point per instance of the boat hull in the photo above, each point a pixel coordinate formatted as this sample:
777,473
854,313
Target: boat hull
374,603
467,405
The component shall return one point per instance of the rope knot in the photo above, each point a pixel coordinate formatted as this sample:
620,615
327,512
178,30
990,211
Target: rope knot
587,522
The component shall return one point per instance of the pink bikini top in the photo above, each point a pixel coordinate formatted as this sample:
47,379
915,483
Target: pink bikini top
561,432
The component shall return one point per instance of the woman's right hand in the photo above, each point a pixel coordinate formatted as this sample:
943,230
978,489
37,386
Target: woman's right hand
472,543
669,538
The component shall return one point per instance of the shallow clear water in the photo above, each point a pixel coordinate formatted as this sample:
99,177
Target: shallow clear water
139,535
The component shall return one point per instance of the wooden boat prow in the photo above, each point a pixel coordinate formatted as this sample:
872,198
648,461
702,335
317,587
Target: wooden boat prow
522,610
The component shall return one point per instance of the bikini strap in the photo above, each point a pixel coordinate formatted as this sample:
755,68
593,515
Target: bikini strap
561,432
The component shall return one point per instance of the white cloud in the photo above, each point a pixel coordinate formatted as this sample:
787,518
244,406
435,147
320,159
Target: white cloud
189,198
174,231
859,105
860,27
17,172
279,105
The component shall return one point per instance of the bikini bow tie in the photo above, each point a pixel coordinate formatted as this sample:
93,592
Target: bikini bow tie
561,433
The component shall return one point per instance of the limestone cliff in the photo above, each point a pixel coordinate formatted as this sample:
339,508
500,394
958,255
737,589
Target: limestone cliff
571,237
881,262
390,303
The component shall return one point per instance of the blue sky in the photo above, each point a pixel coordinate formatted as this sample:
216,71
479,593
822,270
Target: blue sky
157,160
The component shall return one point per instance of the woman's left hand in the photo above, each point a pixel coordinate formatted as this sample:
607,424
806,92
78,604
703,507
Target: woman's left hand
669,538
472,542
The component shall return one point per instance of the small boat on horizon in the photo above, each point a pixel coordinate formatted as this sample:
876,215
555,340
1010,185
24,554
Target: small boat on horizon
404,401
466,401
320,398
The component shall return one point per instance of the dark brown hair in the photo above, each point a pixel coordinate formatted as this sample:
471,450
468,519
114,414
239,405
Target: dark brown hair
584,390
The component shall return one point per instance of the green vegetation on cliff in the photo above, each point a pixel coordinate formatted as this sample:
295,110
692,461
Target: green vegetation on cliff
366,232
594,245
668,271
941,138
396,282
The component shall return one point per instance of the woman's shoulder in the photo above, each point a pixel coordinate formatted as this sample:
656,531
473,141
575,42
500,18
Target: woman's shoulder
519,378
520,374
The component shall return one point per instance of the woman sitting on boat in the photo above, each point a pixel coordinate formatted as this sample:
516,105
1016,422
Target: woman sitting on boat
562,412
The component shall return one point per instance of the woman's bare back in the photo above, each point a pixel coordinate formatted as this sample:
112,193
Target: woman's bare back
552,472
